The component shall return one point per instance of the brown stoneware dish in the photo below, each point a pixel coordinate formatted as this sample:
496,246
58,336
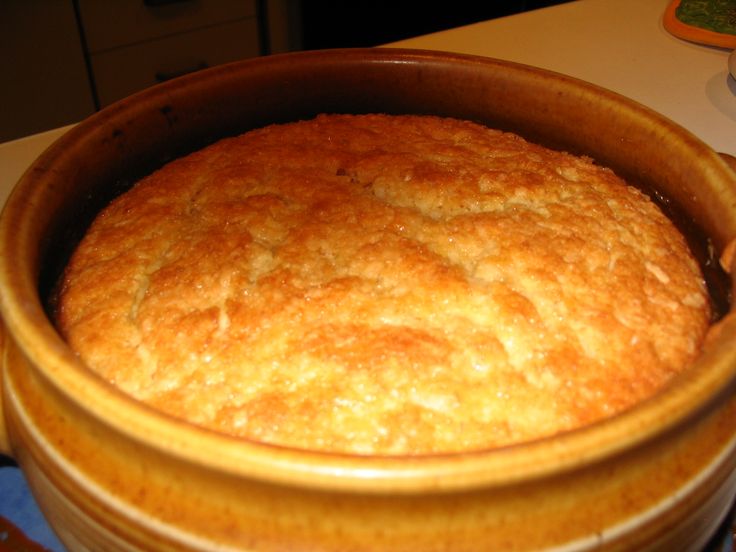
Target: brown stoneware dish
111,474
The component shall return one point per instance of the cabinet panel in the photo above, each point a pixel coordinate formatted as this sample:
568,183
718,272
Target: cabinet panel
115,23
41,58
122,71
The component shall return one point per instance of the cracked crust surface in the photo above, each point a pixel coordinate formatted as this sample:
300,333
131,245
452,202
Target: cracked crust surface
384,285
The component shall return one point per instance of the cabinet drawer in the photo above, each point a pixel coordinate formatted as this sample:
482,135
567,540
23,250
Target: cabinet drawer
122,71
115,23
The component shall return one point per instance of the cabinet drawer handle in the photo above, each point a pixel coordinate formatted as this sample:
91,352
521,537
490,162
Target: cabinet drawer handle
156,3
162,76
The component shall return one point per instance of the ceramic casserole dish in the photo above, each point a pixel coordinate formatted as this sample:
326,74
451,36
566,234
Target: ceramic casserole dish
112,474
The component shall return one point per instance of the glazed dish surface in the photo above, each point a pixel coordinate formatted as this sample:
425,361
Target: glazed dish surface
388,285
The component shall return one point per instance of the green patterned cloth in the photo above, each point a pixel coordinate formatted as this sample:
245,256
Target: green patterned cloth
714,15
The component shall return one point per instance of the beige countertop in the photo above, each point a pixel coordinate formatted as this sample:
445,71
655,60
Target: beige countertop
621,45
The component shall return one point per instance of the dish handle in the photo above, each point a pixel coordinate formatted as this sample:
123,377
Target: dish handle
729,159
4,440
728,257
728,263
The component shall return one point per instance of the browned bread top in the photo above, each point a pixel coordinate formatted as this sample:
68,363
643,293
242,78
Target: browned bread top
384,285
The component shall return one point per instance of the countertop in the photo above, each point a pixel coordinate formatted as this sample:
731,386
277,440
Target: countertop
617,44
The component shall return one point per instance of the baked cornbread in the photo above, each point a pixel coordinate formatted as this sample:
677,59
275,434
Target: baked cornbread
380,284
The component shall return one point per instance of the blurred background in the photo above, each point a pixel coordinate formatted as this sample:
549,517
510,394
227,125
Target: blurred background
64,59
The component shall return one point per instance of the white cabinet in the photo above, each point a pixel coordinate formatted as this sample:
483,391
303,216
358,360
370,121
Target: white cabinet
133,44
63,59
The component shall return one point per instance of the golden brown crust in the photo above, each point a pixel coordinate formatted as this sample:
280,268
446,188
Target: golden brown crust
384,285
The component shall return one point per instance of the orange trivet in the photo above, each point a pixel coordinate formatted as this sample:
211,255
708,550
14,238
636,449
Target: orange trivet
693,33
